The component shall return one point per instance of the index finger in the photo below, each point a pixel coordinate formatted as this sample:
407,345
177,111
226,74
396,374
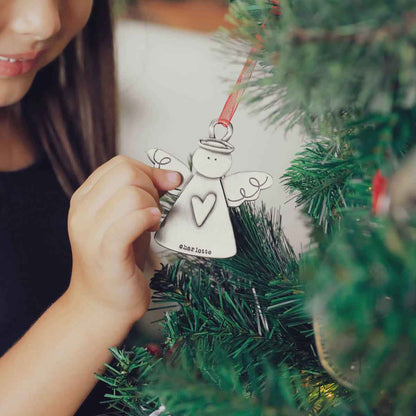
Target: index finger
162,180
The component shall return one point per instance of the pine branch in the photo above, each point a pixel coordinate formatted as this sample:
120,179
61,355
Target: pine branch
318,178
365,54
218,389
239,334
251,305
127,381
393,30
364,284
234,337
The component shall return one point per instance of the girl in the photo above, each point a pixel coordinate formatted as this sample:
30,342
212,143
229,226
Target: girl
74,218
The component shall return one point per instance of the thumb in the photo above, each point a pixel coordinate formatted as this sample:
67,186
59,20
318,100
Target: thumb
165,180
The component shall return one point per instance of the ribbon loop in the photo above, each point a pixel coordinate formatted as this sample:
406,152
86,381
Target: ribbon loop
234,98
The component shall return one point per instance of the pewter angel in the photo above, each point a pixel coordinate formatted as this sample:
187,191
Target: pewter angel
199,221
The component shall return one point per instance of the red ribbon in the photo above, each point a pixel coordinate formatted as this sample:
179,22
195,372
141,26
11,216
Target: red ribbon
233,100
379,187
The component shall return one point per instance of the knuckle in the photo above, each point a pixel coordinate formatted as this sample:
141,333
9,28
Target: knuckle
72,202
127,171
120,158
136,197
74,197
73,205
146,182
142,165
72,224
76,223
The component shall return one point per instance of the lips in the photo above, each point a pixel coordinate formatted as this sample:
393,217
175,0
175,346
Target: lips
18,64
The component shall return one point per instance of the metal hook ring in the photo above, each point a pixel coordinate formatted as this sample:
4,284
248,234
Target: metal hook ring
227,135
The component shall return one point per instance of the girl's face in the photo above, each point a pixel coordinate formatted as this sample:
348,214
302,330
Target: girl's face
32,34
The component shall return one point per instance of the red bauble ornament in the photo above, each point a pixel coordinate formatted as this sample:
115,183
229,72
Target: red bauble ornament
154,349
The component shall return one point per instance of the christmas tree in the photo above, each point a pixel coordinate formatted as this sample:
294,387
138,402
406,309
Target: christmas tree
332,332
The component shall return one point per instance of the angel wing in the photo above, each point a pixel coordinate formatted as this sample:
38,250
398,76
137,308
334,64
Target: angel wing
163,160
245,186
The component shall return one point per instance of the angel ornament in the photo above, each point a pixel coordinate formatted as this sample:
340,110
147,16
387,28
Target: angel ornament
199,222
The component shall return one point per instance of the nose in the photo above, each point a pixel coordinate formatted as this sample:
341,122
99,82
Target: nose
37,18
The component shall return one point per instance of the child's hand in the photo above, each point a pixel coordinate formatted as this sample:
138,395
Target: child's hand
113,209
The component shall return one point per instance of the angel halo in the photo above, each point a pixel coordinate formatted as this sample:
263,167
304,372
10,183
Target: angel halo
199,222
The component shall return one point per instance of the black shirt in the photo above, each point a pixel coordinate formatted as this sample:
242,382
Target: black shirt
35,255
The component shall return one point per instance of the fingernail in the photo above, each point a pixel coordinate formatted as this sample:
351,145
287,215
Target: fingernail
155,211
174,178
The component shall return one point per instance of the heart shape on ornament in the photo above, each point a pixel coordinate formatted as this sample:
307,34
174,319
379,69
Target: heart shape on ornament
202,208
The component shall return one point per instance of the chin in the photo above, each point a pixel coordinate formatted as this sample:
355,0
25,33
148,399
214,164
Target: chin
13,90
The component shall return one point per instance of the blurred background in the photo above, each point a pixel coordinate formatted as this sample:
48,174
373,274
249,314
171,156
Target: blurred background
173,80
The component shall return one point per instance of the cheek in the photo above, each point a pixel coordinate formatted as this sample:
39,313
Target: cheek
74,16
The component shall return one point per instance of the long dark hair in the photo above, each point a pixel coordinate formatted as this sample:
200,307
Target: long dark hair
71,107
